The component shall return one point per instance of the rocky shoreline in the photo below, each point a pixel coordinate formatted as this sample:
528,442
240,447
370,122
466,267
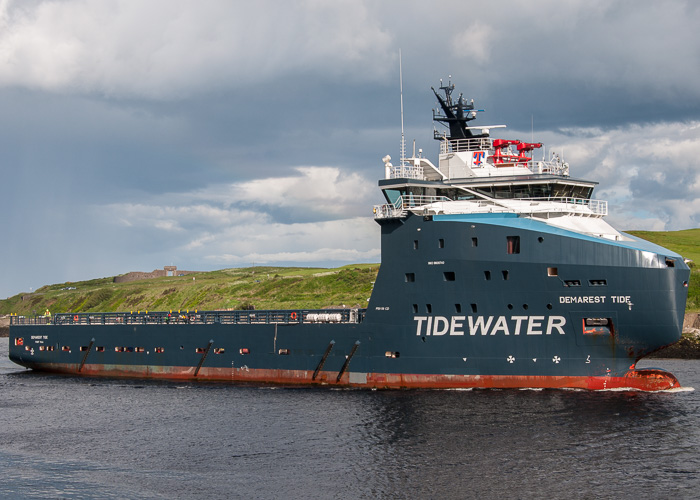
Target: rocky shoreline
688,347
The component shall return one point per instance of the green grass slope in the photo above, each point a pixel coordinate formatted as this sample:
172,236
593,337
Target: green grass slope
261,287
687,244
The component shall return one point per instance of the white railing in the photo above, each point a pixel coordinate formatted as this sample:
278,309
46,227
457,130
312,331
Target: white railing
456,145
597,207
403,203
406,171
572,206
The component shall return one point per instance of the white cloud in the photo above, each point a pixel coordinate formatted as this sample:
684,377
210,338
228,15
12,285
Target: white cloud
230,225
166,48
474,42
646,172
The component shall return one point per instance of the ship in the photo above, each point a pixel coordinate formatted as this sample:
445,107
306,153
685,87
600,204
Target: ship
498,270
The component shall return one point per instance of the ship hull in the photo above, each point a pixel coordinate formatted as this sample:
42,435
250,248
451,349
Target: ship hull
643,380
561,312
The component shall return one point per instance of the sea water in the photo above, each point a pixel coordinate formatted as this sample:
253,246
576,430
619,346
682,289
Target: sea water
72,437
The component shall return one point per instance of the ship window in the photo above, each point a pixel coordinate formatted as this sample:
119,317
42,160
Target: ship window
670,262
505,274
448,275
458,308
410,277
83,348
27,348
487,275
415,244
429,308
391,354
159,350
597,283
128,349
219,350
474,308
100,348
513,244
572,282
415,308
41,347
510,306
19,341
540,239
392,195
283,352
139,349
65,348
118,349
441,243
200,350
552,271
49,348
244,350
475,242
598,326
525,306
549,306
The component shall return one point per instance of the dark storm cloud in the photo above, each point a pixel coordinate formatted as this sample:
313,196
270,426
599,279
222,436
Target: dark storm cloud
135,135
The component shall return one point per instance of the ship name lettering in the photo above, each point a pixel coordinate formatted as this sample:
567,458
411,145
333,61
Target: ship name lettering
489,325
621,299
586,299
40,337
436,262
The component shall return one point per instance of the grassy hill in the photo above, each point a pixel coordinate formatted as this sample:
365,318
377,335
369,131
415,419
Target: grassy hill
261,287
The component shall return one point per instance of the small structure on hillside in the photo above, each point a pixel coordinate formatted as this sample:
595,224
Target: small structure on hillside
156,273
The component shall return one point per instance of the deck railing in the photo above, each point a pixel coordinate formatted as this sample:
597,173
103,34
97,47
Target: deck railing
598,208
398,208
456,145
290,316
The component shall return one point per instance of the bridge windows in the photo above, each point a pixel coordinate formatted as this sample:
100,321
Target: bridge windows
441,243
410,277
475,242
415,244
448,276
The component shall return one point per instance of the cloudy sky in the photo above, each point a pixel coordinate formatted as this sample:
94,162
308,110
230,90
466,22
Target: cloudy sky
218,134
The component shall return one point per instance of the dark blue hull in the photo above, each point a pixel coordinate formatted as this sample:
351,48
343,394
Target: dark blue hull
460,301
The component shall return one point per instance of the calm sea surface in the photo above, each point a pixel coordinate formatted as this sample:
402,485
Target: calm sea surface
68,437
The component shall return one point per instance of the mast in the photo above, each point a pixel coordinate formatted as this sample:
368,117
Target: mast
403,139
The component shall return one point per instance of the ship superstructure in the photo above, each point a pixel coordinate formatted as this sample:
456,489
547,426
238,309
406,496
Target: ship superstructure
498,270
